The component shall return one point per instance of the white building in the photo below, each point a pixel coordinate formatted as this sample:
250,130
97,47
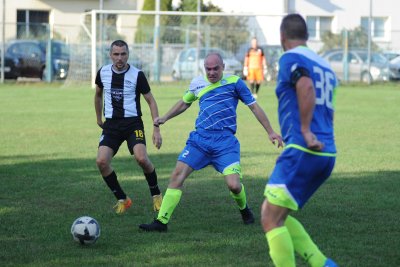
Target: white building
321,15
327,15
64,16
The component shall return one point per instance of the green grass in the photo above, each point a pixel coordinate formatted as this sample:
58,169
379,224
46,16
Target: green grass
48,175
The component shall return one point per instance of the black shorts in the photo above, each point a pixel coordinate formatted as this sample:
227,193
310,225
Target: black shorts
116,131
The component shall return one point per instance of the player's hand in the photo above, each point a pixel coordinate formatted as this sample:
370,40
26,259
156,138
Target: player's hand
245,71
265,71
158,121
275,138
312,142
157,139
100,123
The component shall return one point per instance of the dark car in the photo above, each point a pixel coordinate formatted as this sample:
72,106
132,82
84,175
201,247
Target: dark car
27,58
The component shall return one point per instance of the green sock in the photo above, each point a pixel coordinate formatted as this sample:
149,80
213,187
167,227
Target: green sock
169,203
240,198
303,244
281,247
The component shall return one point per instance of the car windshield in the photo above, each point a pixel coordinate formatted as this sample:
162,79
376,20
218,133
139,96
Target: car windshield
375,57
58,49
396,60
205,52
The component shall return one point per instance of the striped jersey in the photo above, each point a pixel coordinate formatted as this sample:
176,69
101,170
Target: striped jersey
218,102
324,80
121,91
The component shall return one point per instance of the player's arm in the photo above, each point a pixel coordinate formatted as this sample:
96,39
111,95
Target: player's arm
177,109
263,119
98,105
306,101
151,101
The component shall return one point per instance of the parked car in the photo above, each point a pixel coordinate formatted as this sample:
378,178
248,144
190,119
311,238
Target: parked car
27,58
394,66
391,54
358,65
185,66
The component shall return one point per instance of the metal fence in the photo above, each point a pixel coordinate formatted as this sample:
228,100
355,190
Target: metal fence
157,41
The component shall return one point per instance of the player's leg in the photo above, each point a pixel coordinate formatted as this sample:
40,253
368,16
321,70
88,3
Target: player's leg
279,240
171,199
142,158
238,192
251,80
227,162
259,78
191,158
103,161
296,176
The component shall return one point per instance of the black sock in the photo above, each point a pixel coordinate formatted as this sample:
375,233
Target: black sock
257,88
252,87
151,179
112,182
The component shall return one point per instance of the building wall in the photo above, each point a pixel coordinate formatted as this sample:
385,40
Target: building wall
65,15
347,15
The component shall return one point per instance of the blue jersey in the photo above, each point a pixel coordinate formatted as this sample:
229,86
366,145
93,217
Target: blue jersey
324,80
218,102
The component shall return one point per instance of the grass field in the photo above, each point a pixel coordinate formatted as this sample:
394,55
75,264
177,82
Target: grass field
48,175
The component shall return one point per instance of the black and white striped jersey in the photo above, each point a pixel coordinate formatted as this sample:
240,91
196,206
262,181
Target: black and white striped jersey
121,91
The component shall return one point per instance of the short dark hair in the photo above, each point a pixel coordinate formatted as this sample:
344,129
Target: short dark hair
294,27
119,43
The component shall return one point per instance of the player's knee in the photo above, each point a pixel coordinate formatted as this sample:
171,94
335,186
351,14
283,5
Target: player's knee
143,161
102,164
234,186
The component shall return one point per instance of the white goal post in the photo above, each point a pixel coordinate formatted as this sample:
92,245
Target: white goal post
93,31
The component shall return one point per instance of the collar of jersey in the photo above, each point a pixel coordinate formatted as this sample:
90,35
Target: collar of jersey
222,82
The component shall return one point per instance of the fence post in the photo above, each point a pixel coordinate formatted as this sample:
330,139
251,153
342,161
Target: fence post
49,60
156,75
345,55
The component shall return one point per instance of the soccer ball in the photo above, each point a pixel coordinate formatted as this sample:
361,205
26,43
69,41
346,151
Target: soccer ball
85,230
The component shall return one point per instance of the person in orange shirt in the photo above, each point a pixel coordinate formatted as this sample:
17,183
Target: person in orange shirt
255,66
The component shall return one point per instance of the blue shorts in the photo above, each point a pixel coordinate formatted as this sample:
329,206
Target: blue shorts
219,149
296,177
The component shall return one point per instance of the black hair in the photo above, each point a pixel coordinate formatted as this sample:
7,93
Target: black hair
119,43
294,27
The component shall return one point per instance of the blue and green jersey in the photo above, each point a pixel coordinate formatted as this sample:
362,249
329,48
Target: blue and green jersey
325,82
218,102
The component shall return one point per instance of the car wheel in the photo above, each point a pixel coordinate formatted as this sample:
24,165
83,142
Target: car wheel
366,78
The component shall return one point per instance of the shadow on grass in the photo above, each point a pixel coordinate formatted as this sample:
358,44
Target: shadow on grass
353,217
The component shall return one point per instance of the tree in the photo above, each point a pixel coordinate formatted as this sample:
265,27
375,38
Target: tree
357,38
222,31
144,33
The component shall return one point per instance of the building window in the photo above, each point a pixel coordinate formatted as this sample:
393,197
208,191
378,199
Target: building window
32,23
378,26
317,26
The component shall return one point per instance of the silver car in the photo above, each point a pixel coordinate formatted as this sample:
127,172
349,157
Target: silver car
185,66
358,66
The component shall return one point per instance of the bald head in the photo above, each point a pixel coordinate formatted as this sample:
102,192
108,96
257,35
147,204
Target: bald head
214,67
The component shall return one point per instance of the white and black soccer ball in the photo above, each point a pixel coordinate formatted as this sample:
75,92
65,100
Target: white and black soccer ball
85,230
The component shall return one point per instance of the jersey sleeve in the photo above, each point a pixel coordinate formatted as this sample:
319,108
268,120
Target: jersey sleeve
292,67
98,81
142,84
190,95
244,92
